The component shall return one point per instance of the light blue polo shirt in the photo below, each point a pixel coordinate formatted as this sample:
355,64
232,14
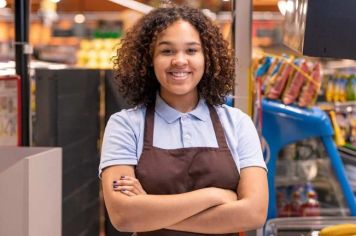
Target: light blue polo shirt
123,137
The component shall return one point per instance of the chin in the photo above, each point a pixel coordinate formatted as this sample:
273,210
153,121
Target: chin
180,92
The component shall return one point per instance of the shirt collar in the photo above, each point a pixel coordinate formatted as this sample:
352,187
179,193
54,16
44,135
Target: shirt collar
170,115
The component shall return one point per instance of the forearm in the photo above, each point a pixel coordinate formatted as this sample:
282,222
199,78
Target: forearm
238,216
152,212
248,212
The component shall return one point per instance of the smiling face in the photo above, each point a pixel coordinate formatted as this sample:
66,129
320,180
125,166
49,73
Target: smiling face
178,61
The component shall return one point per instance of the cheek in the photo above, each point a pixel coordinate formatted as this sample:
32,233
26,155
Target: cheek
200,60
200,64
158,66
160,63
160,73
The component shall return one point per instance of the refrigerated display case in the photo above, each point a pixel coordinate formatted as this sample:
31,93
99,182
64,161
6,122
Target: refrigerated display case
314,166
348,157
305,182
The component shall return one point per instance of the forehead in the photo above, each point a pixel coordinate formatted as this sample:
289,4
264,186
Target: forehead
179,31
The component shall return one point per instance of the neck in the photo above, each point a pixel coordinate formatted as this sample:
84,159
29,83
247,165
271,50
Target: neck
182,103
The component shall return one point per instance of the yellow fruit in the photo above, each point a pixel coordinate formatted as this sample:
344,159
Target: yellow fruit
339,230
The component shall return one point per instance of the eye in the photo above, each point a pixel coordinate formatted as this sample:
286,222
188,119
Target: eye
192,51
167,51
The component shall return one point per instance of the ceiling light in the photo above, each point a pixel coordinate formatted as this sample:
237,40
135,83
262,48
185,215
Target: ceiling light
79,18
134,5
282,6
55,1
290,6
3,3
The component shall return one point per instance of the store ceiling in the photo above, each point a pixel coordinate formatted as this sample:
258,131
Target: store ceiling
105,5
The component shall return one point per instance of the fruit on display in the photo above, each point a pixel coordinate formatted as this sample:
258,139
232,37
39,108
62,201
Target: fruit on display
339,230
97,53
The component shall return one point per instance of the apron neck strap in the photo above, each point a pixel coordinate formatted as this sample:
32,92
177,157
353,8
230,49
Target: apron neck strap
219,131
149,127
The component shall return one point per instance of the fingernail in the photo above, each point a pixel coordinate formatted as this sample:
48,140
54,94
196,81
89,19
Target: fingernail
115,186
122,177
114,181
123,190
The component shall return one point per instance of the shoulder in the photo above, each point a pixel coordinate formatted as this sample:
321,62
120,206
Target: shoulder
131,117
232,115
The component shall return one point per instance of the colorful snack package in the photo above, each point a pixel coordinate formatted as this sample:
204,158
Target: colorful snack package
295,84
279,80
272,70
310,89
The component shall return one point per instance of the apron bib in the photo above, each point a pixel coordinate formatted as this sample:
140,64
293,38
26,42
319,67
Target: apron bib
174,171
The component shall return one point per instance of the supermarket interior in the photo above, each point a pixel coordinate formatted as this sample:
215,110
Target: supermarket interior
295,78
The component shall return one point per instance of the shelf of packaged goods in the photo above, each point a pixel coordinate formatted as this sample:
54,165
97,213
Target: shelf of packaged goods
340,106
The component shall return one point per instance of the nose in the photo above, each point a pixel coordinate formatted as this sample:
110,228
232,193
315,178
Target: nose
179,60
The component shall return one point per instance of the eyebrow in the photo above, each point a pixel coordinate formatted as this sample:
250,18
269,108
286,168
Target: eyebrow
170,43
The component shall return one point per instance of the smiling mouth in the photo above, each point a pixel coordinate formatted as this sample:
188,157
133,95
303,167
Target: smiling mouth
179,75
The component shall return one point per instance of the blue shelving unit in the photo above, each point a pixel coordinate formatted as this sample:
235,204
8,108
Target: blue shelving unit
285,124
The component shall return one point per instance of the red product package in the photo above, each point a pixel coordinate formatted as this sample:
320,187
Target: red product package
295,85
279,81
311,89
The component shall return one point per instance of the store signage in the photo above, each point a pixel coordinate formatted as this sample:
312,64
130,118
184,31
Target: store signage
321,28
10,111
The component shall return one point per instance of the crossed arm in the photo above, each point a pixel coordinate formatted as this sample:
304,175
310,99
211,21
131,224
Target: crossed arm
208,210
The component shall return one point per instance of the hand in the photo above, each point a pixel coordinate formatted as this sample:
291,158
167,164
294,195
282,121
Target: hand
129,186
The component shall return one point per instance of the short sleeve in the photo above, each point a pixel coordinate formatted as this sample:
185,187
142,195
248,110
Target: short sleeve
119,145
249,145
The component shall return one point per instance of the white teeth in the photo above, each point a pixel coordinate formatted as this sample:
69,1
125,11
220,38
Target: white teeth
180,74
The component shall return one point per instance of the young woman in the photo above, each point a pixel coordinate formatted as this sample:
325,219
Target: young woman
180,162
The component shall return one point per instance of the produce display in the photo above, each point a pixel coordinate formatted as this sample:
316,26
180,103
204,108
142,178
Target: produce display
97,53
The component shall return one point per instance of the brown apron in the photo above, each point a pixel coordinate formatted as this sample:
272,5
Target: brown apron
175,171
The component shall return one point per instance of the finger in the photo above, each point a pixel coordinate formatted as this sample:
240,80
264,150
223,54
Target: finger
133,189
127,190
130,178
134,181
125,182
128,193
130,182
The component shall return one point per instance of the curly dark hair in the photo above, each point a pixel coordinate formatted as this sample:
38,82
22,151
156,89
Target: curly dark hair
133,63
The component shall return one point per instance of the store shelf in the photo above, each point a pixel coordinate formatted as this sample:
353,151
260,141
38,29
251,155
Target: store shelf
348,155
298,172
342,106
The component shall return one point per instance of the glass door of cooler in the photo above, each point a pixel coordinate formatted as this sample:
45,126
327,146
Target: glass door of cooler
348,156
305,182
